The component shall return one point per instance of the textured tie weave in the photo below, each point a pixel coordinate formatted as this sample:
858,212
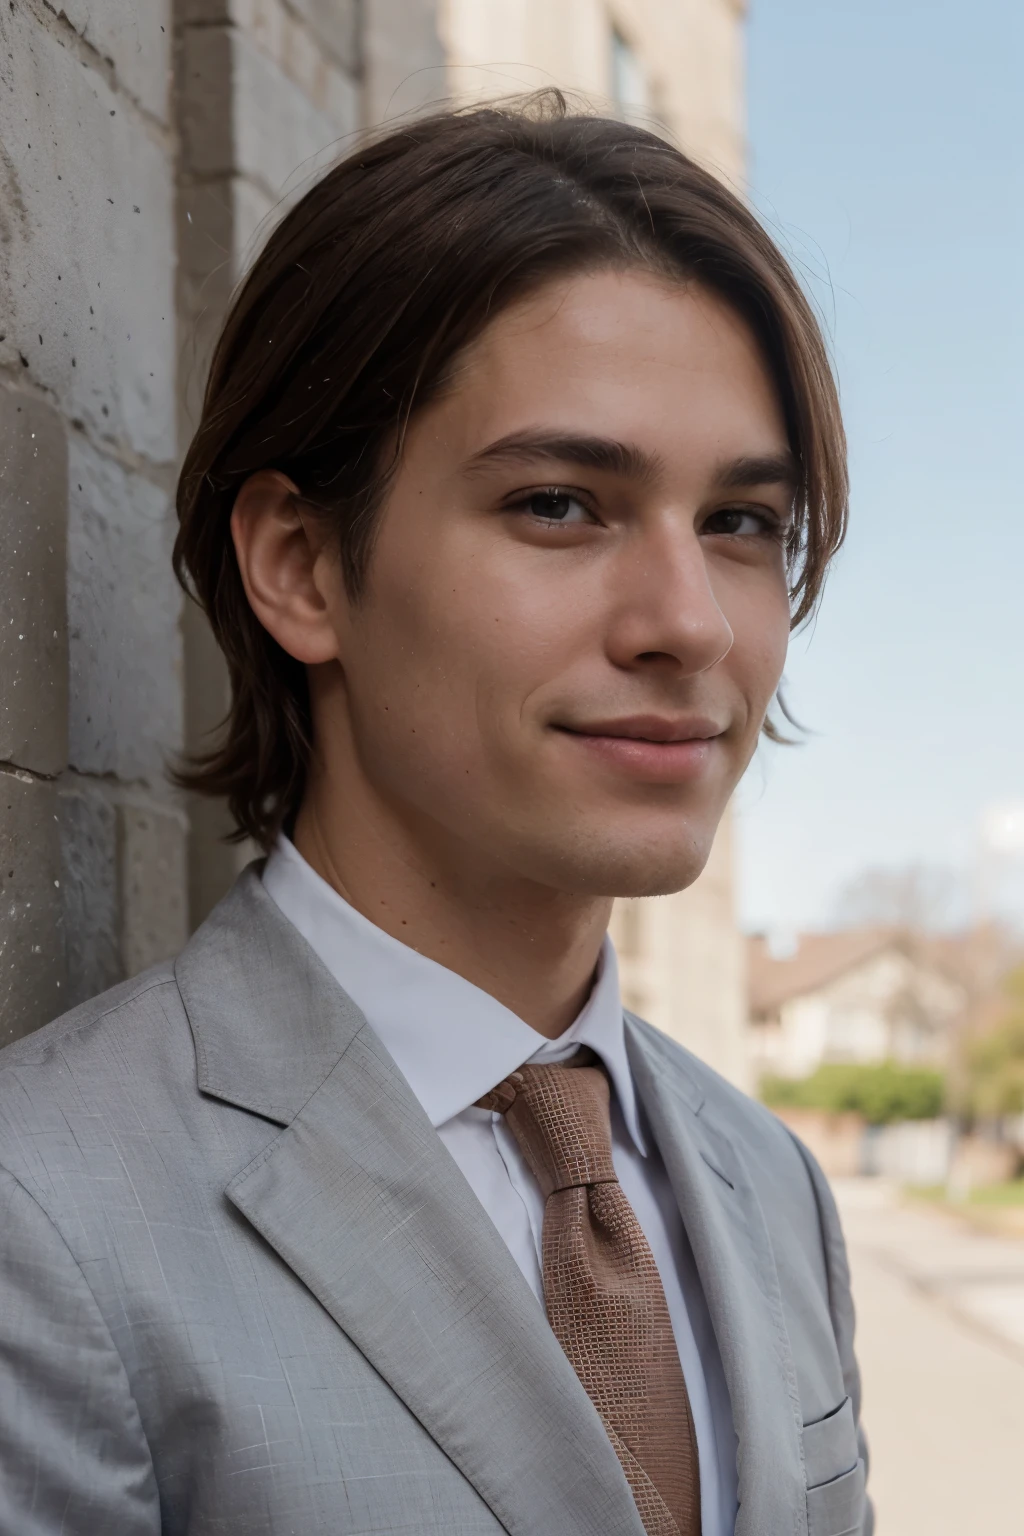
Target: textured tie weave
602,1289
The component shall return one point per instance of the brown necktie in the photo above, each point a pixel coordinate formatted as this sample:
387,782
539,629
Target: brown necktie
602,1289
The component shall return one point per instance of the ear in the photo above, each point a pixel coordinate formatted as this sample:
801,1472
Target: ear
280,565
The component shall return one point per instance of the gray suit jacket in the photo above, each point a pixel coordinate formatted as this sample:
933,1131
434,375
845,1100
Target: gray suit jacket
245,1290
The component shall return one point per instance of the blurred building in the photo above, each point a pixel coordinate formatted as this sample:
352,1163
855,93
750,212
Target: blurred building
861,995
147,145
674,66
682,960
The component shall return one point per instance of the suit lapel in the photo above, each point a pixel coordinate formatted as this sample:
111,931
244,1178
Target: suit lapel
361,1199
729,1237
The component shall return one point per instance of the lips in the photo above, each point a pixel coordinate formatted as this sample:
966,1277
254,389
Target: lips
651,728
651,749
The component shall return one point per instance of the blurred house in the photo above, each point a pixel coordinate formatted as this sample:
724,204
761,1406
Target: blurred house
860,995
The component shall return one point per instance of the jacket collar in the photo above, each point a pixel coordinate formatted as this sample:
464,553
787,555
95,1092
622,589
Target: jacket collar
268,1021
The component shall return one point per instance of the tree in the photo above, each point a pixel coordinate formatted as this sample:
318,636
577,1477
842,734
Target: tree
923,897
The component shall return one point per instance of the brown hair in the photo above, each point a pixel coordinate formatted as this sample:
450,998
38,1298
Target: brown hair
353,313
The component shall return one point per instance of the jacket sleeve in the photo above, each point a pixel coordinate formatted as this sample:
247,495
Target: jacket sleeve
840,1300
73,1456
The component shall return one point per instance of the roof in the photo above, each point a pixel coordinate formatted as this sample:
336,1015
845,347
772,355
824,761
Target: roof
818,959
975,961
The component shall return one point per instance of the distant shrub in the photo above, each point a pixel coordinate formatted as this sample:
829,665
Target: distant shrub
882,1092
995,1061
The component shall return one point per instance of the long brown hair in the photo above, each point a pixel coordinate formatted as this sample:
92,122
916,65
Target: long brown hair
353,313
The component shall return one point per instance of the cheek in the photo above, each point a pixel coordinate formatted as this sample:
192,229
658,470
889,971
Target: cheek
759,621
489,638
437,672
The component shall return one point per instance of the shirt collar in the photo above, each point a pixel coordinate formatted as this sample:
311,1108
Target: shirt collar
451,1041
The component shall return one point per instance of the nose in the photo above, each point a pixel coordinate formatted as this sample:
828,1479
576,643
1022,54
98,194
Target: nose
664,612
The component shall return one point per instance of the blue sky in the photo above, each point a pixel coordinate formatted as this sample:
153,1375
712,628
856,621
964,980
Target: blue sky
887,155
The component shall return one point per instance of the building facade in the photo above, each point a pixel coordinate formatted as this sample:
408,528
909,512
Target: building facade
146,147
674,64
682,960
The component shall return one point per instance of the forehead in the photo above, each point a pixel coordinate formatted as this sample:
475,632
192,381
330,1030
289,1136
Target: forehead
624,354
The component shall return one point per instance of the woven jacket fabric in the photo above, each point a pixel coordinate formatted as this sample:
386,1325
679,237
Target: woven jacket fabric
245,1291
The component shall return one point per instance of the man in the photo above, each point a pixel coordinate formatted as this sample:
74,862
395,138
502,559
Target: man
371,1212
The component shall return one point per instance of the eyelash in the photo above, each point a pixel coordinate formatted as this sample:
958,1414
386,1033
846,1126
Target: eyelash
773,527
521,502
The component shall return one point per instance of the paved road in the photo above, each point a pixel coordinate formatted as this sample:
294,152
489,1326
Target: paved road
941,1345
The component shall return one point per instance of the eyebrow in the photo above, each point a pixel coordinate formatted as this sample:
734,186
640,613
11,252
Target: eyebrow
603,453
630,461
759,469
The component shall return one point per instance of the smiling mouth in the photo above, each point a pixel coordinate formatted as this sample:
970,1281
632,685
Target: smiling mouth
650,749
650,729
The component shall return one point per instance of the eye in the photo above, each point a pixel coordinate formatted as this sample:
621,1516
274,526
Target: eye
743,522
554,505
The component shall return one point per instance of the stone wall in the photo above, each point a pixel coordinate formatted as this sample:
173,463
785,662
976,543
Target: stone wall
92,842
143,146
266,94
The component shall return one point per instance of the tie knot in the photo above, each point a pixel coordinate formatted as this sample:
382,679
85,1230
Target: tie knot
560,1116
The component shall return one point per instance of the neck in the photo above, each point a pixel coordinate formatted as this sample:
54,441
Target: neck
532,948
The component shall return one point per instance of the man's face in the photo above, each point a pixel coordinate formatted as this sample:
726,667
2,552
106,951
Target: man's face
576,611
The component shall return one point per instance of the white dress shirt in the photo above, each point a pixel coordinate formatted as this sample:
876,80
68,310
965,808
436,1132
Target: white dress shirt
453,1042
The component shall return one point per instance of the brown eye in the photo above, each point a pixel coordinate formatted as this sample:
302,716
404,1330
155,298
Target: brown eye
738,521
556,506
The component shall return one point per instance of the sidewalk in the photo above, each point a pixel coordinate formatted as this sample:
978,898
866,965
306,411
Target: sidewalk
941,1345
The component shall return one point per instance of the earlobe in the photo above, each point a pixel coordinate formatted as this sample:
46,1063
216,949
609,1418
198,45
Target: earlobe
278,561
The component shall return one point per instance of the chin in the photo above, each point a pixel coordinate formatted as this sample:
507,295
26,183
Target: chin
600,865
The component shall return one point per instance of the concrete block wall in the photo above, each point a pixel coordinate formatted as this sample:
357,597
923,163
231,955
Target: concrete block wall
327,69
143,146
90,697
238,162
33,707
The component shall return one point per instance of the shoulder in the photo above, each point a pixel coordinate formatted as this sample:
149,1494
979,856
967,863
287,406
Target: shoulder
89,1063
93,1026
127,999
